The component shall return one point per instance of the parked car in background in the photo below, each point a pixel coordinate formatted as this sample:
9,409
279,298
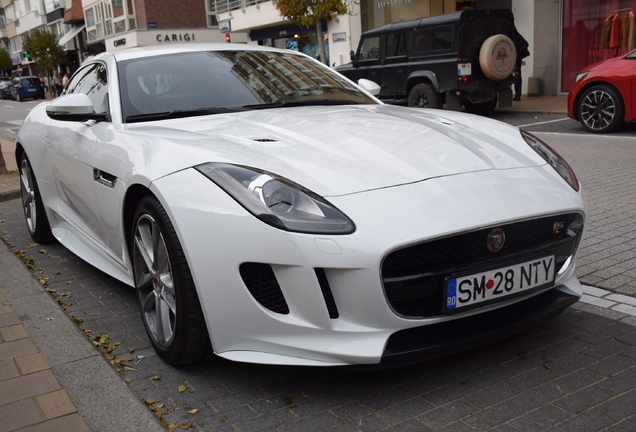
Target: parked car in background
28,87
5,88
461,58
269,210
604,94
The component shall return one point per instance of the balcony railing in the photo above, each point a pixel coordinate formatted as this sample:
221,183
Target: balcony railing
230,5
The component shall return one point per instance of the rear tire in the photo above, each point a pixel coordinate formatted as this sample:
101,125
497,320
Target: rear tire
166,293
424,96
34,213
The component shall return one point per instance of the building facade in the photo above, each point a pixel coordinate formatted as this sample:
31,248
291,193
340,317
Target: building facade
113,25
564,35
20,17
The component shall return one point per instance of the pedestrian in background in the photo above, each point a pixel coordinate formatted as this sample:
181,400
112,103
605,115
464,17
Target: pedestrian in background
521,46
64,81
57,82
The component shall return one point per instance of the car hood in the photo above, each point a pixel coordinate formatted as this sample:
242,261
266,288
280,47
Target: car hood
340,150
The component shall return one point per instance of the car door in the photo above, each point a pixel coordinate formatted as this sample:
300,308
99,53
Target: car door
368,60
70,148
395,70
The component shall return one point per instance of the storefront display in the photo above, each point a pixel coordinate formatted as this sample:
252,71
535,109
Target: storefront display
593,31
303,39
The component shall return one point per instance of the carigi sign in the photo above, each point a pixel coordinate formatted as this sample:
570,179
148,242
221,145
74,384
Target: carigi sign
175,37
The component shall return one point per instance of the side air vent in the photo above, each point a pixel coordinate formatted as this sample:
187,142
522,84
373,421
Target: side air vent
327,294
262,284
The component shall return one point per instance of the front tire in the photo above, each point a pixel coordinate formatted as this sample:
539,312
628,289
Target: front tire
424,96
166,293
600,109
34,213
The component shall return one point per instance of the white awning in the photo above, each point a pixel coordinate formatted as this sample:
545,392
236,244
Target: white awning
70,35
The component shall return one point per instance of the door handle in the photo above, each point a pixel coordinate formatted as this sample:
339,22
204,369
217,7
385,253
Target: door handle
104,178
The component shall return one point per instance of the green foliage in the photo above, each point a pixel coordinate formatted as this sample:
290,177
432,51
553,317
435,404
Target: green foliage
5,62
306,13
44,50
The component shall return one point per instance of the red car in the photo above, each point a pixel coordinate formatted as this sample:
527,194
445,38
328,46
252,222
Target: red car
604,94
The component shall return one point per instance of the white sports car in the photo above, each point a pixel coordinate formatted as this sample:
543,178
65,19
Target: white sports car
271,211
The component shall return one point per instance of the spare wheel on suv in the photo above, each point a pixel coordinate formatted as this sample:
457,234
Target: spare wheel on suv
497,57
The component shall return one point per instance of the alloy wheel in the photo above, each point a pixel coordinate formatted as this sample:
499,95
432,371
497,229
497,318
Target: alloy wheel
154,280
598,110
29,202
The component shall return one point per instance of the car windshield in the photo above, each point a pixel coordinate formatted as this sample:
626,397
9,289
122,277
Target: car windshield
197,83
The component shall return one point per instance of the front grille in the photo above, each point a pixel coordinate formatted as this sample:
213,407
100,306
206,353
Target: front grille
413,277
262,284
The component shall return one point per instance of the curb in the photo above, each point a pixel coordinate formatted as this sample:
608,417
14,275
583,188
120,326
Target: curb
10,195
99,393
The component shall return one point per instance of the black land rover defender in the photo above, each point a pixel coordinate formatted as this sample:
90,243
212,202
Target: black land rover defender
461,58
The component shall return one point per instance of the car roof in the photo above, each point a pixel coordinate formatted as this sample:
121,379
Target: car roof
156,50
464,15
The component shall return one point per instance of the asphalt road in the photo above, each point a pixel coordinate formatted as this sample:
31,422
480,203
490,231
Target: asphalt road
573,374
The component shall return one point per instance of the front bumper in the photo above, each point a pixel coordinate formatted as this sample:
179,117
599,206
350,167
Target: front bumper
430,342
219,237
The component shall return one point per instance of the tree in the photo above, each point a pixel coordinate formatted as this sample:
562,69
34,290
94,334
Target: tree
5,62
311,12
44,50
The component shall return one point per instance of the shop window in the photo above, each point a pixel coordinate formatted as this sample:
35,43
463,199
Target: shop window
594,31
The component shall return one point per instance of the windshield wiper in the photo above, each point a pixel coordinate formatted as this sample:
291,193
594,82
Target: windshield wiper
297,103
179,114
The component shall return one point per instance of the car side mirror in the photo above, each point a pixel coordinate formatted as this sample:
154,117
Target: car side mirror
75,107
369,86
354,59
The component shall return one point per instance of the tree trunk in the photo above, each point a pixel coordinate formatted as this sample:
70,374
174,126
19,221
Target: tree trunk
323,56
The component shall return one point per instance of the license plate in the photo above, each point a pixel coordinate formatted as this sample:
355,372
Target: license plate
492,285
31,90
464,69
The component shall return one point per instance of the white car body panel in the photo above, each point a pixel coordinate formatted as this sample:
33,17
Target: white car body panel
366,321
403,176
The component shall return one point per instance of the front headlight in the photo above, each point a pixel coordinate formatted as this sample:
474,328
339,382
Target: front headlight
581,75
278,201
553,158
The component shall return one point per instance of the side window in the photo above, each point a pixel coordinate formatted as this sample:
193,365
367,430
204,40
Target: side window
93,82
443,38
428,40
396,44
369,48
423,41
